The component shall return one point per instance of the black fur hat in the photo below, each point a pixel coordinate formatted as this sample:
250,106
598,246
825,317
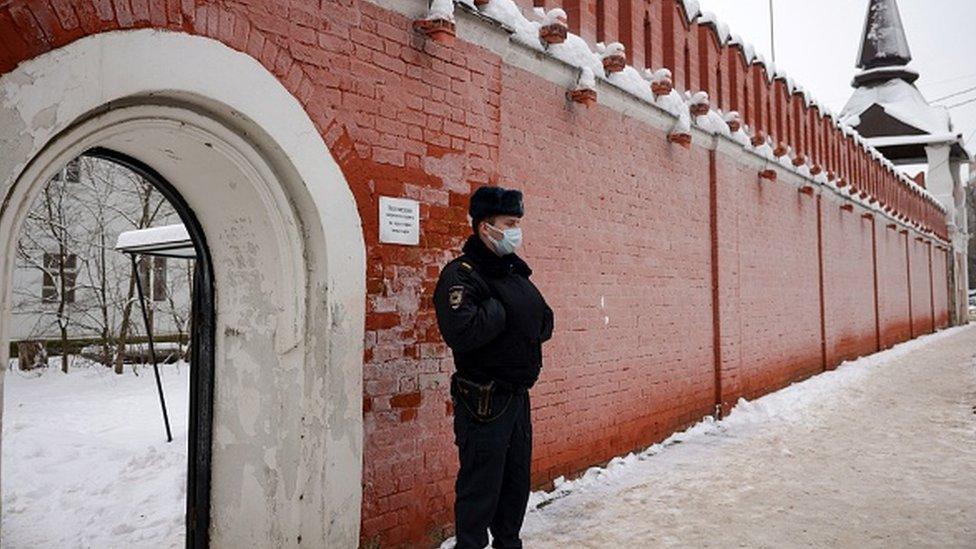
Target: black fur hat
490,201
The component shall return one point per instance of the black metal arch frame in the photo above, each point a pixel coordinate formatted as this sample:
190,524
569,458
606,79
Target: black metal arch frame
203,314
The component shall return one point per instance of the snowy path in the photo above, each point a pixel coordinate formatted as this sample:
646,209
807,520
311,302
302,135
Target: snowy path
86,463
879,453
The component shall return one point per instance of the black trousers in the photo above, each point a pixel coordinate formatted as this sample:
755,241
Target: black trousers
493,482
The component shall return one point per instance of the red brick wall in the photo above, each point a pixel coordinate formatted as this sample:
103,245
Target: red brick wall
772,108
634,240
629,276
769,298
736,75
893,285
849,311
654,15
921,286
709,61
940,286
761,92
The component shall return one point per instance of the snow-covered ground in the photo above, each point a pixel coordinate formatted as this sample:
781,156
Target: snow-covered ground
878,453
85,458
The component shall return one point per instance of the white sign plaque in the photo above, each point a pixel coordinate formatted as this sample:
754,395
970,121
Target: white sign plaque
399,221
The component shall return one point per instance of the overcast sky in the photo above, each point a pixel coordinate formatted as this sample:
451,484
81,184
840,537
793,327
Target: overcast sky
817,43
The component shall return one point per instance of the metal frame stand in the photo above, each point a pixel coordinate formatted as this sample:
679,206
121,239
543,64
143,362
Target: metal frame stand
152,348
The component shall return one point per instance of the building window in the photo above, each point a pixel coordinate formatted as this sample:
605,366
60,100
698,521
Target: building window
152,275
51,289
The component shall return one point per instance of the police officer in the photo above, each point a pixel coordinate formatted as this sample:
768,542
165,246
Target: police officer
495,320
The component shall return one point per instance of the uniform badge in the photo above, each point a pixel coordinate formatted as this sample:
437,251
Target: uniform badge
456,295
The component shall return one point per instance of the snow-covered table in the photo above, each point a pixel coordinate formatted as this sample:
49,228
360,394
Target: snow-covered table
164,241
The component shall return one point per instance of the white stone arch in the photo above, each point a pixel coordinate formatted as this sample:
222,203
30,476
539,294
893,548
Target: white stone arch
287,246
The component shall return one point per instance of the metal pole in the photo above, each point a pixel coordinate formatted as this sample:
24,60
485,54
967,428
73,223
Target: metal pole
772,32
152,348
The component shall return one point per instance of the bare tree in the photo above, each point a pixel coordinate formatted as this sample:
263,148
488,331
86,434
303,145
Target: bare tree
150,204
69,237
102,184
178,312
49,243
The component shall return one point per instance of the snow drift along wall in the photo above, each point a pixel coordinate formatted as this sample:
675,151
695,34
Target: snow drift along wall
681,280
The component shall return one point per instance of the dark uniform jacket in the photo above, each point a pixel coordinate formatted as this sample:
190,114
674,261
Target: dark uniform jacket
492,316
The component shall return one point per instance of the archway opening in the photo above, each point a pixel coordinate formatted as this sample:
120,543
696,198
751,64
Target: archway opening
286,247
85,459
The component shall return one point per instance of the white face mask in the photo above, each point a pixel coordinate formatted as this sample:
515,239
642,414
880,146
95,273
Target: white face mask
510,241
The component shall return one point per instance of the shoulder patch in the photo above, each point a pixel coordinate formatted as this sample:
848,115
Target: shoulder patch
467,266
456,296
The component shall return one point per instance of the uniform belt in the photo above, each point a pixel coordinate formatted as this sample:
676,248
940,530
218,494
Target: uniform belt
499,385
507,387
477,397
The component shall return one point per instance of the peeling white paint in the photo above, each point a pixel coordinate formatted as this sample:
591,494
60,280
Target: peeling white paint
451,168
288,252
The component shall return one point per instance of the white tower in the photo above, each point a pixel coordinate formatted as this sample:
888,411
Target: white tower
892,114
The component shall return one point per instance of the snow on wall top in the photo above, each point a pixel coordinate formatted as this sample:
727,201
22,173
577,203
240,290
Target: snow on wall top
926,139
883,42
692,9
900,100
721,29
575,51
441,8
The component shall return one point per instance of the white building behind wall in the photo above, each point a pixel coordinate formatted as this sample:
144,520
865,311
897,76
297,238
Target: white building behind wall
890,111
99,200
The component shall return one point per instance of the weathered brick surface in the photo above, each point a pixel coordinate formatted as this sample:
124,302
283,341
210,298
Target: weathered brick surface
770,295
618,233
627,233
921,293
849,309
940,286
893,293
